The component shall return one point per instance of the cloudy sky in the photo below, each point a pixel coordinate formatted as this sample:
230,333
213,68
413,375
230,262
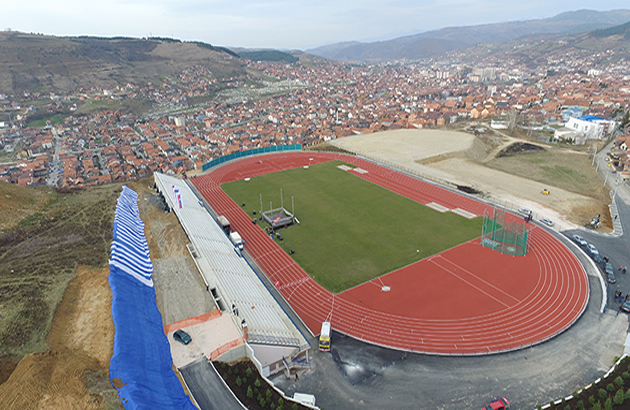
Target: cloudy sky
286,24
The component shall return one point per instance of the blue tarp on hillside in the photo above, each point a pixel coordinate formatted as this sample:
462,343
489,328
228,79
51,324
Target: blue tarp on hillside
142,357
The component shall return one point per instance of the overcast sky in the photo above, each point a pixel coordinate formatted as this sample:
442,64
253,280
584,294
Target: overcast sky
284,24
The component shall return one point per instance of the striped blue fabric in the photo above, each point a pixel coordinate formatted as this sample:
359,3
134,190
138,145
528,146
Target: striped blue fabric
142,358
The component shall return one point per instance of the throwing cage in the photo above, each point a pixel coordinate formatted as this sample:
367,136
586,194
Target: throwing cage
503,236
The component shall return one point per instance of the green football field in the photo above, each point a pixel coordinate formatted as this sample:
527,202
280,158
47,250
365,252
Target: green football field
351,230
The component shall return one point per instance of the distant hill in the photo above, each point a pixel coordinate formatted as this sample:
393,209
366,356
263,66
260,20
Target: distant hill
411,47
45,63
457,38
621,30
268,55
610,44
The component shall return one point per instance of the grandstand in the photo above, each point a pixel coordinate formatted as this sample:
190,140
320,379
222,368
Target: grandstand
233,283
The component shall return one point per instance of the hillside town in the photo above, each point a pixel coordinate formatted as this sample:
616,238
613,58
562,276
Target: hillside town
571,100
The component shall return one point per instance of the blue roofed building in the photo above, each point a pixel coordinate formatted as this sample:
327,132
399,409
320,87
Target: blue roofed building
581,129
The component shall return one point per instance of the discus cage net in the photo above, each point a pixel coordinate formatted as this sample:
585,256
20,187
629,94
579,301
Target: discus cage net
506,237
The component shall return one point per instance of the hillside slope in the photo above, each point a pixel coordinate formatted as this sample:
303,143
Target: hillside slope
456,38
609,45
17,203
47,63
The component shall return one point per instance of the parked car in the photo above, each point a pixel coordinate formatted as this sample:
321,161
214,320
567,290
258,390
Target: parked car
182,337
498,404
592,250
579,240
547,222
611,278
609,268
525,211
625,307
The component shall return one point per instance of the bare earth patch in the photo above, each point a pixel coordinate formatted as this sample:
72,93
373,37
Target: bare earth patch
517,192
81,343
407,146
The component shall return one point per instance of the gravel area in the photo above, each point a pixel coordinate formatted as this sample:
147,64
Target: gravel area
180,289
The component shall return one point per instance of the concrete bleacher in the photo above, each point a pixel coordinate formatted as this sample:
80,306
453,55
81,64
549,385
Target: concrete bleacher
223,267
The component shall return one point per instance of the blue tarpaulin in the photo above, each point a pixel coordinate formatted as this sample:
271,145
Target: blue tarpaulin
142,360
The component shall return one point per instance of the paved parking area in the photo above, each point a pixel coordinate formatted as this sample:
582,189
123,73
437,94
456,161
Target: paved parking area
207,337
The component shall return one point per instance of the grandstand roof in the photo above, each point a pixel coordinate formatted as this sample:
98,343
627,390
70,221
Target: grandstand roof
219,263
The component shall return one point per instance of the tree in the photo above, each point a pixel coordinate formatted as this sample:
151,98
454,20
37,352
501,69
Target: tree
513,119
250,392
619,397
608,404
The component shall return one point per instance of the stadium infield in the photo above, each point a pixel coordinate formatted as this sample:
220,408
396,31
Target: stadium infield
467,300
351,231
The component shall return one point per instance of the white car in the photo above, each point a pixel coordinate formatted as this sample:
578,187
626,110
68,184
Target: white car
546,221
525,211
579,240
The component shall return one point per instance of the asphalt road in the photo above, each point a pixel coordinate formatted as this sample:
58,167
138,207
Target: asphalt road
208,388
615,246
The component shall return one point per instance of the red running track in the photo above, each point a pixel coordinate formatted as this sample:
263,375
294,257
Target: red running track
467,300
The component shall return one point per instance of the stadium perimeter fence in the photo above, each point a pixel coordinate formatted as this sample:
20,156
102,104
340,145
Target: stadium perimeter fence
241,154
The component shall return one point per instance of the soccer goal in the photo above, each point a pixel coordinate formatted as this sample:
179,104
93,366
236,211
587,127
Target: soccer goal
503,236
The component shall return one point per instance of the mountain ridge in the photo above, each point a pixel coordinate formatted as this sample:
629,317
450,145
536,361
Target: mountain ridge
48,63
436,42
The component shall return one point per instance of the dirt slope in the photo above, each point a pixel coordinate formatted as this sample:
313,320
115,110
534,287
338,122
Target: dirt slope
74,373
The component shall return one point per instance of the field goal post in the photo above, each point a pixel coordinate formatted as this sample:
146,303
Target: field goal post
503,236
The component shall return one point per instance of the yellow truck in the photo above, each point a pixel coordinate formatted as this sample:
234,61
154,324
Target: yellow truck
324,337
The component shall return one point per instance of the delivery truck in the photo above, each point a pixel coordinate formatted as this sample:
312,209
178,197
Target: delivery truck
236,240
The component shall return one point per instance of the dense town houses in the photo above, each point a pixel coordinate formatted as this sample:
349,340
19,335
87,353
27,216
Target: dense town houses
570,100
